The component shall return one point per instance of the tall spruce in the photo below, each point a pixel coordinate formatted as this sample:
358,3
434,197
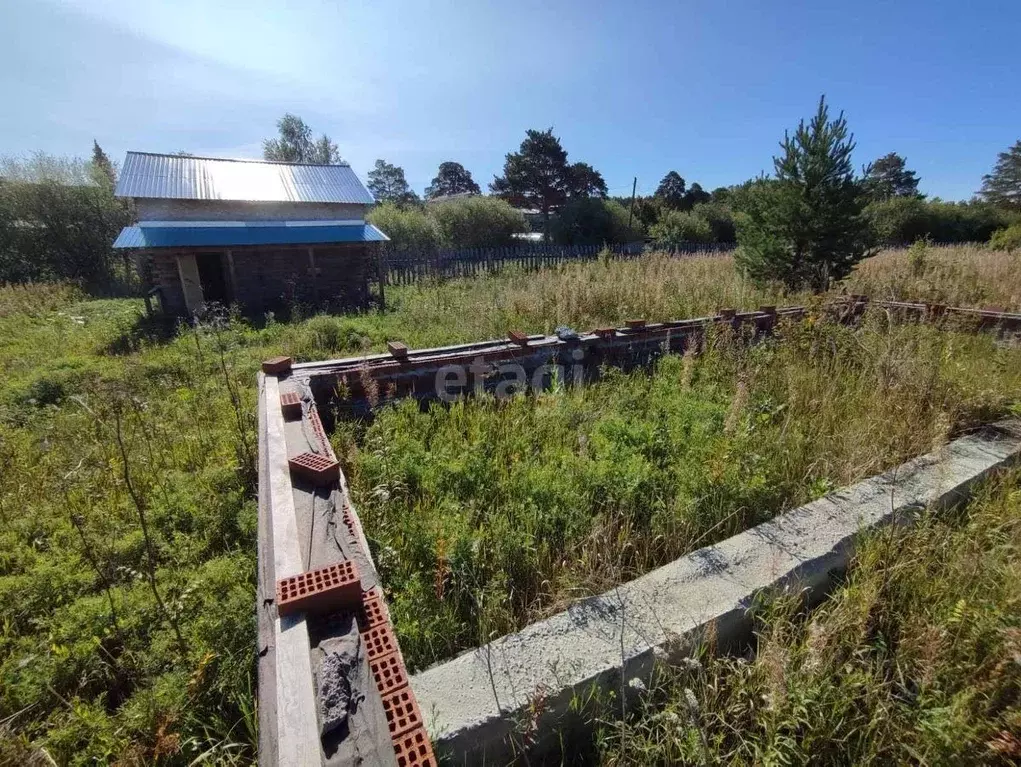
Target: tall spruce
805,226
102,168
1002,187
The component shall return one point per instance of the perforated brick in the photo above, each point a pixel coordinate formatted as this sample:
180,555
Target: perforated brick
605,332
413,749
389,673
379,641
318,469
276,365
290,404
333,588
401,711
370,614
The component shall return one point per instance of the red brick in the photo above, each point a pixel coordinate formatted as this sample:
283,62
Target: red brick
371,612
333,588
402,713
414,749
517,337
276,365
318,469
389,673
605,332
397,349
290,404
317,426
379,641
634,324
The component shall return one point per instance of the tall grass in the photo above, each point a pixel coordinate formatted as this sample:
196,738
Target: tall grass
955,275
91,669
915,660
487,515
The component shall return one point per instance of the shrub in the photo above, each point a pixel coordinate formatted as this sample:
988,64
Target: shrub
476,222
677,227
720,218
902,220
407,227
593,221
1008,239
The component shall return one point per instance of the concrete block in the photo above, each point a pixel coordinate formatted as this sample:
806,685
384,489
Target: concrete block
473,701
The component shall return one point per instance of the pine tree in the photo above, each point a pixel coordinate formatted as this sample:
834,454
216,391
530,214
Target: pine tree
387,184
805,226
1003,186
537,175
102,168
671,190
451,178
889,177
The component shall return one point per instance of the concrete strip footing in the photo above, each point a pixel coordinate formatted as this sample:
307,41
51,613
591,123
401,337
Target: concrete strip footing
474,703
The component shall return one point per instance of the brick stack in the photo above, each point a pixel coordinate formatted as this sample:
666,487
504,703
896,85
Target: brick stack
338,588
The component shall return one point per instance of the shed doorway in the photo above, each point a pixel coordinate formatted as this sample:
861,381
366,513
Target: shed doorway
213,277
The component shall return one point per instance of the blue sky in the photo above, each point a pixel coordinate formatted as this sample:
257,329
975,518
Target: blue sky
635,89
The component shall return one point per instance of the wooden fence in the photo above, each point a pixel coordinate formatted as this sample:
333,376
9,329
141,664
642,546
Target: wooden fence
401,267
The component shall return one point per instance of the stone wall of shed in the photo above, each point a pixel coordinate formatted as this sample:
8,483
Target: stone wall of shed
226,210
277,277
159,269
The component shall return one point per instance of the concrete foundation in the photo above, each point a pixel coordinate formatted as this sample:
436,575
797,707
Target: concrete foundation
473,704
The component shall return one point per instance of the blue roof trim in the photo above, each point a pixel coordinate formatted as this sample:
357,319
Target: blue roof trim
237,236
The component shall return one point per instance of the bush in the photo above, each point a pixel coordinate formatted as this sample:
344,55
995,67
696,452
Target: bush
592,221
677,227
407,227
902,220
476,222
1008,239
720,219
53,231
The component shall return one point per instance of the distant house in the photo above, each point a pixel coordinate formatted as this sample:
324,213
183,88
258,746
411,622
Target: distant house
258,234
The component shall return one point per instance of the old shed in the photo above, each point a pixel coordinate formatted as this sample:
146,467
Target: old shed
263,235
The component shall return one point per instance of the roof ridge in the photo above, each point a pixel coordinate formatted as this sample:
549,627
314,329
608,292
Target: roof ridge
341,164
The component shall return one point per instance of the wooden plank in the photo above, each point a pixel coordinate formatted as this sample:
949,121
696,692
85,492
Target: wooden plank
296,723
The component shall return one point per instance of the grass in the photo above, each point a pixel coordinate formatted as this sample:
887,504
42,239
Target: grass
488,515
127,576
916,659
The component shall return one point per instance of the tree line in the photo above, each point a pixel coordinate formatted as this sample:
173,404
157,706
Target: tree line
58,216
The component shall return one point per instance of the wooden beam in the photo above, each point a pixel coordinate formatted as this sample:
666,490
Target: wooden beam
232,276
313,276
297,723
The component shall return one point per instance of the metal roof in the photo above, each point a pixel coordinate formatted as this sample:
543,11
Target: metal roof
237,236
178,177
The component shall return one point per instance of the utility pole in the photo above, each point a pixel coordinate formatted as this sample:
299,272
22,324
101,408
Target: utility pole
631,210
